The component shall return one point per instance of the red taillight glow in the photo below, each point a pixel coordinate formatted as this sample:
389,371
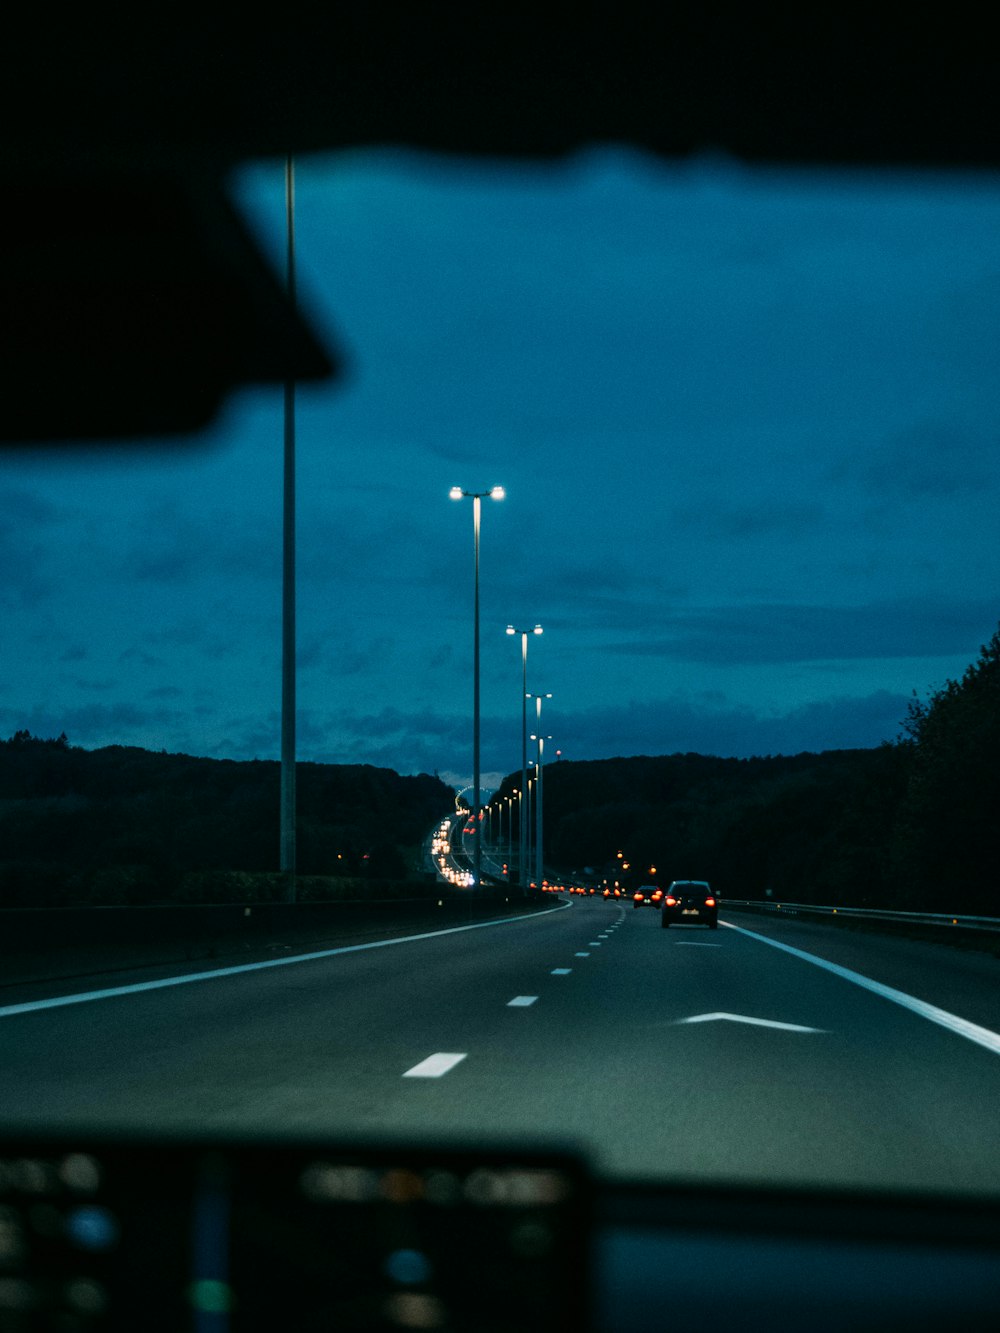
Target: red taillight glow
637,897
656,895
670,902
709,902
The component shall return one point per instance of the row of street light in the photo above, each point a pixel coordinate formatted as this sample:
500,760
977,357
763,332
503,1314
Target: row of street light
477,497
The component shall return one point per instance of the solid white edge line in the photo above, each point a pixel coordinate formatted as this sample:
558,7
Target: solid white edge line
83,997
435,1065
961,1026
521,1001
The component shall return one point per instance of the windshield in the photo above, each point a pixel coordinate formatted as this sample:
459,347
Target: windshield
772,391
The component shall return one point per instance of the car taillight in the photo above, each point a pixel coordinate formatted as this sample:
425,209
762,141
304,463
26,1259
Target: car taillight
670,902
637,897
709,902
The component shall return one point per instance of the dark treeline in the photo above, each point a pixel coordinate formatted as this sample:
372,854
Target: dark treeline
126,826
913,824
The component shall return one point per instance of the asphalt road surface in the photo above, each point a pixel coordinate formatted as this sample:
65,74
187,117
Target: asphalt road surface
768,1050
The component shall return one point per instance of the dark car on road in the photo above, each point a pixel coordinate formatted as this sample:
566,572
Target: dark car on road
647,895
691,902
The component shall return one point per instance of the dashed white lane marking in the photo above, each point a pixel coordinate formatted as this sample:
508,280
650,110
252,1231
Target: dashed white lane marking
561,971
521,1001
84,997
435,1065
594,944
696,944
581,955
961,1026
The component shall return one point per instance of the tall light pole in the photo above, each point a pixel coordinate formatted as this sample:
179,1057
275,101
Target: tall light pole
494,493
522,855
527,830
539,857
538,784
287,791
515,796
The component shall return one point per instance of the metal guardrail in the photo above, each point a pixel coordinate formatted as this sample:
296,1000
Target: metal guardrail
943,919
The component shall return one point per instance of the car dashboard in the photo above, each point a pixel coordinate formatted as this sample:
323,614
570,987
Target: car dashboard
169,1234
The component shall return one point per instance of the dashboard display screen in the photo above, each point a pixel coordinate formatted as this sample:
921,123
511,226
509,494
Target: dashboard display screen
211,1238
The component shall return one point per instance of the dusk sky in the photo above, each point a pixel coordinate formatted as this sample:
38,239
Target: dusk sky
747,422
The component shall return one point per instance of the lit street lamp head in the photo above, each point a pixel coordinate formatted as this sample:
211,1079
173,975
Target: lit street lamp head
494,493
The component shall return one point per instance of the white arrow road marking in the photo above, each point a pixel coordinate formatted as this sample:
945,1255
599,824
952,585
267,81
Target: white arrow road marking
961,1026
435,1065
521,1001
743,1018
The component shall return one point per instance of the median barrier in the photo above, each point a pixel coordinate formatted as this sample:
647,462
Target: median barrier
45,944
944,921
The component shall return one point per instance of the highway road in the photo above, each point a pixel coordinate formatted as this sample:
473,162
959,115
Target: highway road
769,1050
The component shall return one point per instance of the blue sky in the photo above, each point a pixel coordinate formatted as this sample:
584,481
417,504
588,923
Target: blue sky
747,423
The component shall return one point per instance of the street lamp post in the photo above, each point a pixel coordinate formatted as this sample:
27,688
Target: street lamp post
527,830
516,796
539,855
287,799
495,493
538,784
522,856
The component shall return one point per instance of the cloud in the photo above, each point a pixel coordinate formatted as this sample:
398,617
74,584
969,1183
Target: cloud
19,507
207,637
171,545
929,460
353,658
135,654
25,537
705,722
743,634
760,518
697,724
95,725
